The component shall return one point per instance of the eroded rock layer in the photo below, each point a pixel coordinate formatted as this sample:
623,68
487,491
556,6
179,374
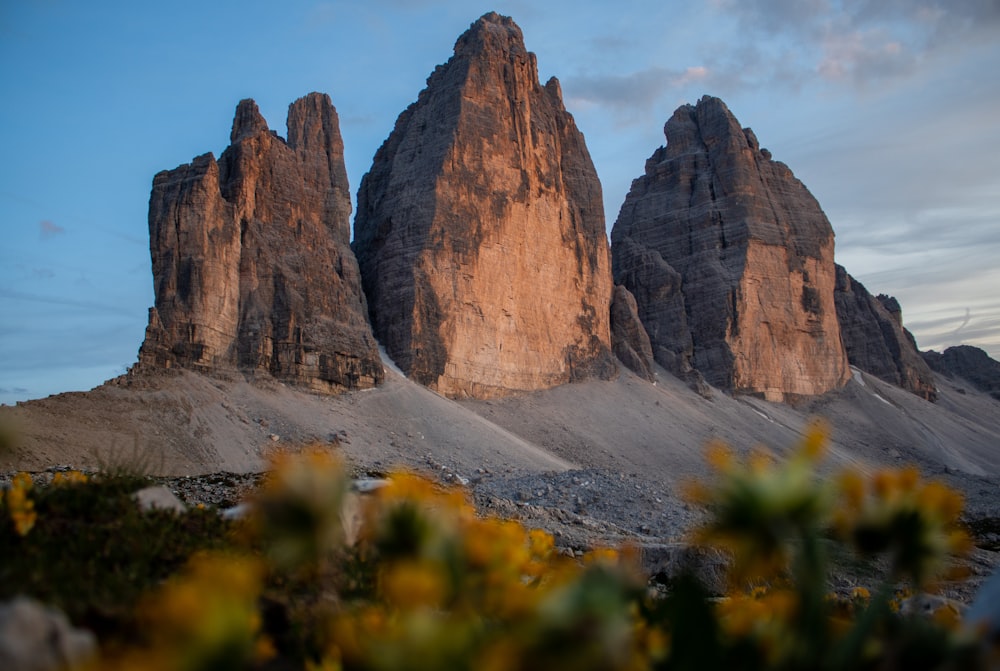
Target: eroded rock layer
876,342
480,229
252,266
735,246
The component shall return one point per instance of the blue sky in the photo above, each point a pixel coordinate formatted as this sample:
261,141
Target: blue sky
888,110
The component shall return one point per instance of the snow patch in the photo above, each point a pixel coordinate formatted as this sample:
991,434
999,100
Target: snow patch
388,362
881,399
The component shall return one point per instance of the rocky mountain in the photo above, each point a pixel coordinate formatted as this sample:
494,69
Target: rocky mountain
252,267
969,363
871,328
730,259
480,229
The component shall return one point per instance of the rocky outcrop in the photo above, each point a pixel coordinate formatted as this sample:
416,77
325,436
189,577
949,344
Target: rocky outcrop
730,259
252,266
629,340
969,363
480,229
871,328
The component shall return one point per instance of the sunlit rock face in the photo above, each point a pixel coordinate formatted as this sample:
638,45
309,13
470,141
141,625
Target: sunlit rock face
252,267
876,342
740,258
480,230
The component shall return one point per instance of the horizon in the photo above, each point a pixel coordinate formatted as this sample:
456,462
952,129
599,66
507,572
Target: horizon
885,113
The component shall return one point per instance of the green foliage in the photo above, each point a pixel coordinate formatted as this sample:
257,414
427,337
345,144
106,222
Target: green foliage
93,553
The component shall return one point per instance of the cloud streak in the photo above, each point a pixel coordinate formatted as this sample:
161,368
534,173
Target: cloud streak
47,229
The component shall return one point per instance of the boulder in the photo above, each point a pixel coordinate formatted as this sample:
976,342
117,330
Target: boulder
35,637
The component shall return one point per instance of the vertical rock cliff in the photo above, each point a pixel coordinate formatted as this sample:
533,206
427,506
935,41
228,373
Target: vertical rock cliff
730,259
480,229
876,342
252,267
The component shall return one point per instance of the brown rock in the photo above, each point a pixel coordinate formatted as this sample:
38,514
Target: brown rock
754,253
871,328
251,260
480,231
629,340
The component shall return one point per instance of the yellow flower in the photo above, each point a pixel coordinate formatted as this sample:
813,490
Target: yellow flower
208,613
298,511
69,478
21,509
412,584
894,511
720,456
813,445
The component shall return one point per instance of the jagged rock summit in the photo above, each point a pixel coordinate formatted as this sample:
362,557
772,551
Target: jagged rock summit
876,341
480,229
968,362
740,258
252,267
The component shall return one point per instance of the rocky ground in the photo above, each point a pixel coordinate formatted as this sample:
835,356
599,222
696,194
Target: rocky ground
594,463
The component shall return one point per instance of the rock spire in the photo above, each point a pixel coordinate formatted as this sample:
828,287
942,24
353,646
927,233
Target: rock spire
252,267
480,229
730,259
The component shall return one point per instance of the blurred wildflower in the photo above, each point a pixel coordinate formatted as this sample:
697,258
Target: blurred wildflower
757,507
894,511
297,512
20,507
205,618
69,478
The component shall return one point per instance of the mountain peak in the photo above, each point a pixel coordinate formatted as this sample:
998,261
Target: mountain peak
480,230
746,253
247,121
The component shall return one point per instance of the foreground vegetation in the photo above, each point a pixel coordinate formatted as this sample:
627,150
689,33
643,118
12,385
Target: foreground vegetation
411,577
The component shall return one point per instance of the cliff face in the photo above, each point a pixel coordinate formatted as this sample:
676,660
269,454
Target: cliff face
736,258
252,267
480,230
876,342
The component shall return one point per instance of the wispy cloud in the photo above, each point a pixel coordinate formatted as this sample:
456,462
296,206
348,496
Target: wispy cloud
634,91
862,42
47,229
93,306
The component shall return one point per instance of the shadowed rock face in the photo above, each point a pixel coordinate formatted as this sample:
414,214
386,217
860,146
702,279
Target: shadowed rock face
629,340
252,267
739,255
480,231
970,363
876,342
